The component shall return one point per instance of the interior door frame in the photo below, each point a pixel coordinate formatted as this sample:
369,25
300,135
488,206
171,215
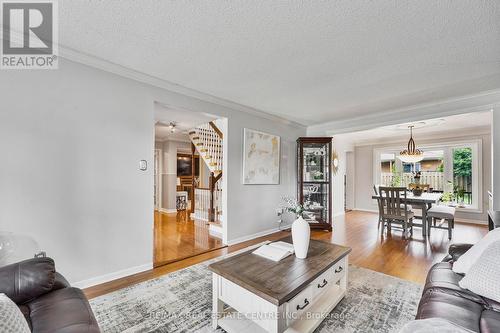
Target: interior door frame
157,178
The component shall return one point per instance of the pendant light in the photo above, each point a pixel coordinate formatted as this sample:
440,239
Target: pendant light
411,154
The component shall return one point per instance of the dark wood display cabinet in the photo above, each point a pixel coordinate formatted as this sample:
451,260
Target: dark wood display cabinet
314,180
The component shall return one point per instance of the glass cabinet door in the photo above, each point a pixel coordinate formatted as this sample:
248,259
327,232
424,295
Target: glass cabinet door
314,179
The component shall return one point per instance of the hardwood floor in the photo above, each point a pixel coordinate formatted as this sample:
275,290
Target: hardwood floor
177,236
389,254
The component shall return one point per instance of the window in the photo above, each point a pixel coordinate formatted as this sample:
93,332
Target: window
451,168
462,175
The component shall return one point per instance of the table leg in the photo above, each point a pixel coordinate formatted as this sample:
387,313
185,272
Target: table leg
217,305
343,280
424,218
279,325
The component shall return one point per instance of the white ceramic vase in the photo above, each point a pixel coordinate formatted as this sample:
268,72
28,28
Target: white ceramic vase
300,237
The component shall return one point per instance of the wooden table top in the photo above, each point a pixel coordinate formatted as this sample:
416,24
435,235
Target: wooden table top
424,198
278,282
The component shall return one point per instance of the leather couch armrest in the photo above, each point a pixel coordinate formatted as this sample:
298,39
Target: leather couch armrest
60,282
456,250
28,279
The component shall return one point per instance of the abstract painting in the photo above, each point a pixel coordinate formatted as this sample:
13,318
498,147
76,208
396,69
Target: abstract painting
261,158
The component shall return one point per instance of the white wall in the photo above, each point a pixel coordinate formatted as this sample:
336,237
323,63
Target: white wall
252,208
350,180
341,146
363,184
364,175
495,151
71,141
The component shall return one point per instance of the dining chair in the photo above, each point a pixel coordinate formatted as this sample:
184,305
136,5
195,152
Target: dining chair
380,207
395,210
445,214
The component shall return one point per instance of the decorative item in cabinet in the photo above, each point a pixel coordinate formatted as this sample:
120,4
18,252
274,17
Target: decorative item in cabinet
314,180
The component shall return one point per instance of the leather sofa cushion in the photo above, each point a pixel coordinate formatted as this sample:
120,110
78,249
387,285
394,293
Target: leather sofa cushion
490,322
25,310
28,279
492,305
441,278
456,309
64,310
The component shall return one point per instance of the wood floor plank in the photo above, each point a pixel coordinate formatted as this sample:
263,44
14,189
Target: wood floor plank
177,236
390,254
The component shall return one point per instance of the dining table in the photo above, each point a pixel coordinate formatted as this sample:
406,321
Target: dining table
423,202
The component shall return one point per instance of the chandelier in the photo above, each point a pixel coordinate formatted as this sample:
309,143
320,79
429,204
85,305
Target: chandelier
411,154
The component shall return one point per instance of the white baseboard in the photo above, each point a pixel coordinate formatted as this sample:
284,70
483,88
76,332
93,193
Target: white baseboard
215,230
256,235
366,210
167,210
471,221
112,276
339,214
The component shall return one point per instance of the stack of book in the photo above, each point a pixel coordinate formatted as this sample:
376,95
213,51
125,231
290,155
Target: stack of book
275,251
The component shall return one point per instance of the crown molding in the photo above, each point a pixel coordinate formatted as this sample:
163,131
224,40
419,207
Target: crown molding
456,134
107,66
484,101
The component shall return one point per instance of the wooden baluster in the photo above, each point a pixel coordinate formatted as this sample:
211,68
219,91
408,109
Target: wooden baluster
212,189
213,147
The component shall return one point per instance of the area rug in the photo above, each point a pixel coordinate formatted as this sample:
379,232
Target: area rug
182,301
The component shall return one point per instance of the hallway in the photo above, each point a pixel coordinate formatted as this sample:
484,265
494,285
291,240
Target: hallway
177,236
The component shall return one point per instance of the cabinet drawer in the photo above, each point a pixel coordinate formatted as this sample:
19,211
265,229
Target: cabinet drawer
323,282
300,303
339,270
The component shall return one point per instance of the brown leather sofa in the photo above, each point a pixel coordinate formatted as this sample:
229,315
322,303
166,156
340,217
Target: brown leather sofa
46,299
443,298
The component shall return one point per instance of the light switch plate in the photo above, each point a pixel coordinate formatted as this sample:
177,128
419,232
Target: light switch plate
143,165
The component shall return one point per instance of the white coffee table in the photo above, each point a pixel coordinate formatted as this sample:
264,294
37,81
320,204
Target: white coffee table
293,295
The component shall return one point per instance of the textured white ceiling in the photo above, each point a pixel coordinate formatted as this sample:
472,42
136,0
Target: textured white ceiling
309,61
461,124
184,121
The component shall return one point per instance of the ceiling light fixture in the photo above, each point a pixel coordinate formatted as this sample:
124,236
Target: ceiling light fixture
172,127
411,154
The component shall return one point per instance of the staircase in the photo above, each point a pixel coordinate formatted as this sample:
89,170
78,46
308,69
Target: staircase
207,140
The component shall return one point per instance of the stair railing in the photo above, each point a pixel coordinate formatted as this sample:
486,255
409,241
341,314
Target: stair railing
209,140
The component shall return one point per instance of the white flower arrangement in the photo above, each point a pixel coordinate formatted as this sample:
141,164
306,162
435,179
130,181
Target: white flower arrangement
293,206
318,175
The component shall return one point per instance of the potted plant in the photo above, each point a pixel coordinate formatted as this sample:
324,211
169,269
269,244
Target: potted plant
417,190
300,228
449,195
396,176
